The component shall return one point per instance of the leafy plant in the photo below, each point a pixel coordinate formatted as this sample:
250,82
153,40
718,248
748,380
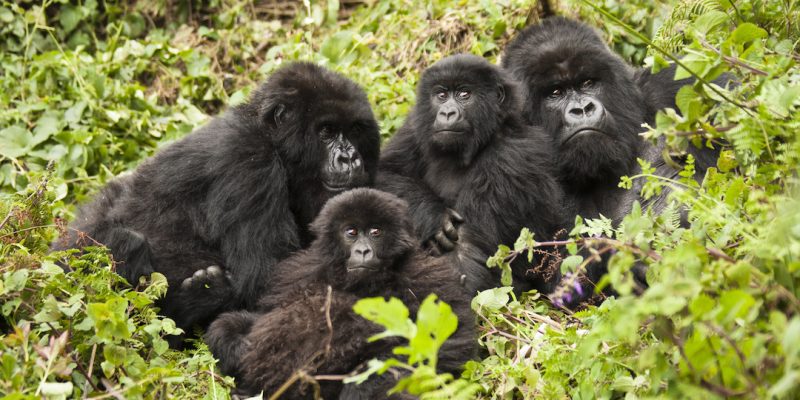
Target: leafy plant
435,323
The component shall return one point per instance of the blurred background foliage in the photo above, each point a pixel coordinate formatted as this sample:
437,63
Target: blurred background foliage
88,89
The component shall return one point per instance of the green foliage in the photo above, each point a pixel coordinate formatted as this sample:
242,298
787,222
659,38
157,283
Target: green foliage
435,323
92,88
87,332
722,303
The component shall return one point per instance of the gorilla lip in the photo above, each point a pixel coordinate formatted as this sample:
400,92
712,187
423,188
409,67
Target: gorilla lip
582,132
448,132
364,267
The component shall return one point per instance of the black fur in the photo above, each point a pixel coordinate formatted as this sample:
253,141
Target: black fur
561,53
564,65
237,193
262,350
497,173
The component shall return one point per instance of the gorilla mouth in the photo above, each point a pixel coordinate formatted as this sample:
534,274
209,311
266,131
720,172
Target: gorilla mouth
341,181
363,267
338,187
449,132
583,132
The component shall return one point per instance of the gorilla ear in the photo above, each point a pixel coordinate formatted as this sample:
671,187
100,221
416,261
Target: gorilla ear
501,94
278,114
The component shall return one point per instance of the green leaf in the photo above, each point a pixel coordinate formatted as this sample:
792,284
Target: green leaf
69,17
491,299
48,125
335,47
56,389
710,20
571,263
747,32
391,314
435,323
15,141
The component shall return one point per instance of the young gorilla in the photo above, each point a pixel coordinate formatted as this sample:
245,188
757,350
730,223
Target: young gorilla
593,105
464,151
364,248
237,194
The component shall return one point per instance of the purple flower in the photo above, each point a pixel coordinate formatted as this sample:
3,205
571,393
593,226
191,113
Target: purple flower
567,297
578,288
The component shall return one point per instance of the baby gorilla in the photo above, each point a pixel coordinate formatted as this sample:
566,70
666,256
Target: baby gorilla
364,247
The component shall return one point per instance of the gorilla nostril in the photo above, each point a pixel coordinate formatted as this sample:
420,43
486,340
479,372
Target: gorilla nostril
577,112
589,107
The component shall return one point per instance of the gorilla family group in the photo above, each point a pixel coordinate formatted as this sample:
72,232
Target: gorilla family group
273,219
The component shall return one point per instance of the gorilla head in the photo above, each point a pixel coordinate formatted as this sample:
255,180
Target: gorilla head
583,94
337,130
366,235
462,101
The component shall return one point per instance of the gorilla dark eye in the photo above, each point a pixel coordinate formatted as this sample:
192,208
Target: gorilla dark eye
351,231
375,232
555,92
587,83
464,95
441,95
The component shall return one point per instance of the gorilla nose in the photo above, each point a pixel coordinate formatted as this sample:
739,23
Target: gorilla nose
365,255
347,161
447,115
585,112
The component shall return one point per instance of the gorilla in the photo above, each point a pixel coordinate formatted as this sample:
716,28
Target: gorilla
215,211
592,104
364,247
473,173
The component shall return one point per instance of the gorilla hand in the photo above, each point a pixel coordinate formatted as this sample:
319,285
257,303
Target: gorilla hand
444,240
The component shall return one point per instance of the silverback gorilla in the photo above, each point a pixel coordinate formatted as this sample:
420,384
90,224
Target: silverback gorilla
592,104
472,172
215,211
364,247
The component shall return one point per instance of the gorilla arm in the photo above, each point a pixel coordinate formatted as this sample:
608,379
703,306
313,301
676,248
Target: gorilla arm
518,190
401,173
252,223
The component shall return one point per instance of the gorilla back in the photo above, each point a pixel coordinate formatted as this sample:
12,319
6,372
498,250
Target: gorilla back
237,193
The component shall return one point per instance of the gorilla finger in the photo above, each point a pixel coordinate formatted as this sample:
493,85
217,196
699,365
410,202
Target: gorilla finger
432,248
443,242
214,271
186,284
450,231
455,216
198,279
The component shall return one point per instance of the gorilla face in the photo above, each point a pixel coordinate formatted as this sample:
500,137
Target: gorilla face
460,105
339,129
367,233
583,95
343,164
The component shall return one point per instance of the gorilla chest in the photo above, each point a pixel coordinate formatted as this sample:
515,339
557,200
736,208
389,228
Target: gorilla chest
448,183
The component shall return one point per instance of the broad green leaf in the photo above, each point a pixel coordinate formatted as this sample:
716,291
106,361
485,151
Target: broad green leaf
69,17
391,314
435,323
491,299
15,141
708,21
747,32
